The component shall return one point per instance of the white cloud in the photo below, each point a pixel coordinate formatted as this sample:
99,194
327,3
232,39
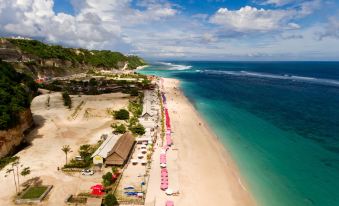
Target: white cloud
248,19
279,2
331,29
96,23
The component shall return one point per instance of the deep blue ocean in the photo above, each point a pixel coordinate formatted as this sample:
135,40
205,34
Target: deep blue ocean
279,121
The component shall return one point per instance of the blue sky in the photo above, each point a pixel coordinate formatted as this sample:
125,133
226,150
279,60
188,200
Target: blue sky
182,29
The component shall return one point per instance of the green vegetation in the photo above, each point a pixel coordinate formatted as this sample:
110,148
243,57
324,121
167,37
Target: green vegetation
110,200
119,129
107,179
107,59
121,114
16,93
67,100
138,129
135,107
85,151
7,160
34,192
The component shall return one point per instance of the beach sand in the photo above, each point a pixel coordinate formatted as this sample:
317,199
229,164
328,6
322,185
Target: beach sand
58,126
206,173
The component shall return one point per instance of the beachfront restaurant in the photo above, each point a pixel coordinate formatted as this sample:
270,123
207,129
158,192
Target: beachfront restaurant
121,151
114,150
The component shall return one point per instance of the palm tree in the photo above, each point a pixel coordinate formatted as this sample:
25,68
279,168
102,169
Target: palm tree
9,171
16,164
66,149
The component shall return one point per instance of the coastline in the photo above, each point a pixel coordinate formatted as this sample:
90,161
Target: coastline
205,178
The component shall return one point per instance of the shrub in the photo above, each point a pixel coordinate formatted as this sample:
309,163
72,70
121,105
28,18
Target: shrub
120,129
107,179
138,129
67,100
122,114
110,200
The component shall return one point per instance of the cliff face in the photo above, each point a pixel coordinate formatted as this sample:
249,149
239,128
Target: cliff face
41,60
11,138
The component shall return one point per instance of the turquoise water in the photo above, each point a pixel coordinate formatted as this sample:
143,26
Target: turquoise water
279,120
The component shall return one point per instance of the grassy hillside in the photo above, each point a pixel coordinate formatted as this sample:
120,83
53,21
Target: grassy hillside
94,58
16,92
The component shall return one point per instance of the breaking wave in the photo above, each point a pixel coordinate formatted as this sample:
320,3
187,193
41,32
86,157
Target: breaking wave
176,66
274,76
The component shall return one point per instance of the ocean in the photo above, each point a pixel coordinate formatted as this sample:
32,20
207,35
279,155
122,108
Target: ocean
278,120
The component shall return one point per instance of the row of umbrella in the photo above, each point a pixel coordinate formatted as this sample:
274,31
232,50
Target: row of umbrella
163,161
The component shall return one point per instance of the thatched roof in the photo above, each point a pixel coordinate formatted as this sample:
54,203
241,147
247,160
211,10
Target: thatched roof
121,150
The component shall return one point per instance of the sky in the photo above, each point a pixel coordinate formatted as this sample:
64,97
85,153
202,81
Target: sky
182,29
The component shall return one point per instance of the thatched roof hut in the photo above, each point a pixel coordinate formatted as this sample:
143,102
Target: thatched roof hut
121,150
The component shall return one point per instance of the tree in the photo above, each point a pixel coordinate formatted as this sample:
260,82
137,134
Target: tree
120,129
67,100
115,170
16,165
121,114
9,171
107,179
66,149
26,171
110,200
134,92
138,129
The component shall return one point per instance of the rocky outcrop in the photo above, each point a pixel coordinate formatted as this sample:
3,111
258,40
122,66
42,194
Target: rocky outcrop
11,138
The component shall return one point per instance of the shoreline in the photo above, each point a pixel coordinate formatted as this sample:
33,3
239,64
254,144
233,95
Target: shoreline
226,178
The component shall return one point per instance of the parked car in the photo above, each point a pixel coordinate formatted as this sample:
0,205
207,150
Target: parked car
87,172
78,158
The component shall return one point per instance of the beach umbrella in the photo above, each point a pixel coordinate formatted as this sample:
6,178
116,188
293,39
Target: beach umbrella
143,151
164,175
169,191
169,203
143,162
163,186
163,165
140,156
134,161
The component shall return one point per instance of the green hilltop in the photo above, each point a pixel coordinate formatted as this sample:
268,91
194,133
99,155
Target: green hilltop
96,58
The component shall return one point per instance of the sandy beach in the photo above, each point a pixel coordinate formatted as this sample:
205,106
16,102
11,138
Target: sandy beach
206,173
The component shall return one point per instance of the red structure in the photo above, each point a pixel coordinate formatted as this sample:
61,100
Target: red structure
97,190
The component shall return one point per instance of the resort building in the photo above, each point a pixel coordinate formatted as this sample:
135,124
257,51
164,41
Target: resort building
150,106
104,150
121,150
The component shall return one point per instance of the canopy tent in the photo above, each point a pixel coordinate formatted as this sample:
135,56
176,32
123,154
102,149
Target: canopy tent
97,190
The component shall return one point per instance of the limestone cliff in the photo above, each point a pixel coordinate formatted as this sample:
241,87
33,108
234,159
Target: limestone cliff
11,138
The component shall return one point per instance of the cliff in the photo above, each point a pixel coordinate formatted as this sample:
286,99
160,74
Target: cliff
11,138
42,60
16,93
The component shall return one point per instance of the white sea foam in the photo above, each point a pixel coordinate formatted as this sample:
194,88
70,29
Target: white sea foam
274,76
176,66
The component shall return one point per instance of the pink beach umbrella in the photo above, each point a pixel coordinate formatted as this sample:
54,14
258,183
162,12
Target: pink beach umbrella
164,186
169,203
164,176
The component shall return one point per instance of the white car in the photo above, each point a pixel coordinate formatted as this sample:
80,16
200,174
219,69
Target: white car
87,172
